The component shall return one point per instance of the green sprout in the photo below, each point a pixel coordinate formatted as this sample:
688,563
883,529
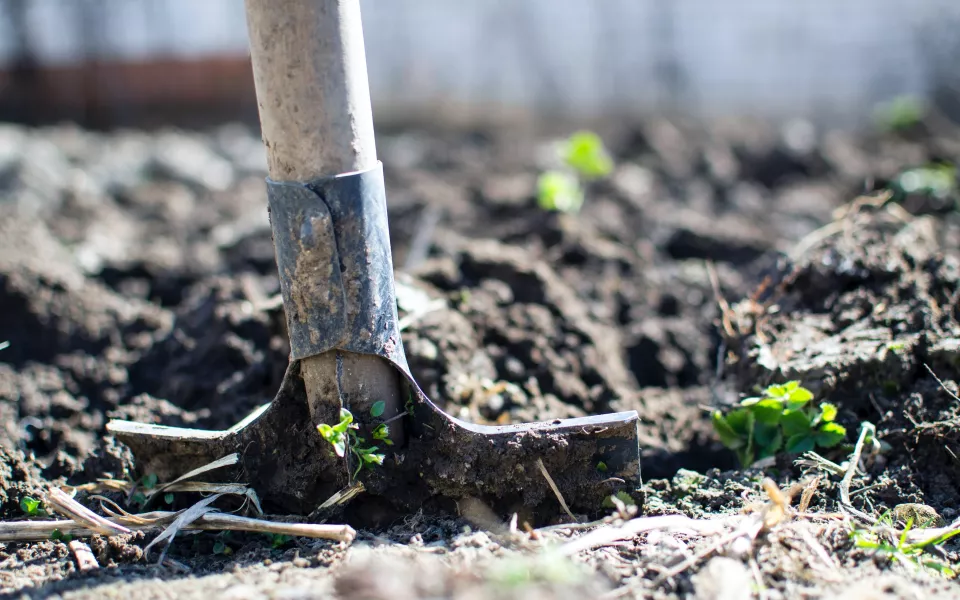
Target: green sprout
31,507
883,540
58,536
938,179
221,548
900,113
779,419
584,153
584,158
344,438
279,540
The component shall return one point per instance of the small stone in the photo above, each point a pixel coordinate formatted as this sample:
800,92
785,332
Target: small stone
723,579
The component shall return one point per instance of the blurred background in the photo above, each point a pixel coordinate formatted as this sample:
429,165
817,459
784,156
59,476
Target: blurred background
106,63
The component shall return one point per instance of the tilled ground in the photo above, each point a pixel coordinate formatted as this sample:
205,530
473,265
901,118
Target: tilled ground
137,276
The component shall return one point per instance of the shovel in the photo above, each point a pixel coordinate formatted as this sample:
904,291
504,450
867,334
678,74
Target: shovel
347,372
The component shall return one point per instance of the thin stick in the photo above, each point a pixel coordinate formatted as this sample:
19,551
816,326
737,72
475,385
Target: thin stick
59,501
556,490
851,471
955,397
32,531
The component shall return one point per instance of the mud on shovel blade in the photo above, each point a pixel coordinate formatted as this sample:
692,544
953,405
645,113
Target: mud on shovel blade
336,275
344,221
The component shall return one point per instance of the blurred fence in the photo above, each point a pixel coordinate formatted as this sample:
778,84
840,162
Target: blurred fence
128,60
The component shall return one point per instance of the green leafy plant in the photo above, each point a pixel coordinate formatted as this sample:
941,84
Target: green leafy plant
780,419
583,158
344,438
31,507
884,541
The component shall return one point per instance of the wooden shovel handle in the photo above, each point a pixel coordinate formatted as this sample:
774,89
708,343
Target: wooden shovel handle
310,71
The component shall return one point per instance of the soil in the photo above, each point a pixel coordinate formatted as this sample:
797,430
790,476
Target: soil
137,281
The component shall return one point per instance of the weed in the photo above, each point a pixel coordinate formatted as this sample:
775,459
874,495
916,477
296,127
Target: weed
583,158
883,540
344,438
779,419
32,507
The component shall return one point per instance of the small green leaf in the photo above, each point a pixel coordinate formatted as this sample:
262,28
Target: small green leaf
326,431
377,409
602,467
741,421
728,437
750,401
775,391
795,422
59,536
168,498
800,443
149,481
791,386
339,446
139,499
768,411
828,412
222,548
584,152
764,434
830,434
557,190
375,459
30,506
800,396
770,446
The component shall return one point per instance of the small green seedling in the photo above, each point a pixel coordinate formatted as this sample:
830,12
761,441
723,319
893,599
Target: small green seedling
59,536
778,420
31,507
343,437
937,179
900,114
168,498
584,158
279,540
221,548
896,548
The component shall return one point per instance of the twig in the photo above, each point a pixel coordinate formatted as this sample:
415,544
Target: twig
808,493
955,397
608,534
226,461
183,519
59,501
86,561
556,490
32,531
865,427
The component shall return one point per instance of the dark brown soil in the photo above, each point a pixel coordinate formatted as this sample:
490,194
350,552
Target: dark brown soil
137,272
